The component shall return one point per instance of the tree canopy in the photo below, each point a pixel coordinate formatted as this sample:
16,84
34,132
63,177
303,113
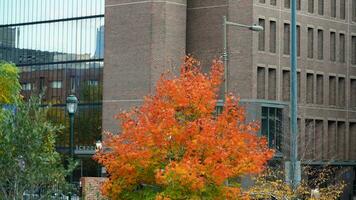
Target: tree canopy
29,162
9,84
174,146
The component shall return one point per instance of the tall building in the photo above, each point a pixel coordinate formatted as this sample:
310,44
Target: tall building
99,50
53,42
143,38
8,38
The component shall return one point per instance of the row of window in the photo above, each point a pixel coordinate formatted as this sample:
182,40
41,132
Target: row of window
332,43
337,42
319,140
327,139
335,5
56,84
83,79
315,87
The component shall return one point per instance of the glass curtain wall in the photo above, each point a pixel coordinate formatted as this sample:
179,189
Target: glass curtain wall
58,46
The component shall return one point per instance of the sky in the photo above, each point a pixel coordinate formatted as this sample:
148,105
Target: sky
75,36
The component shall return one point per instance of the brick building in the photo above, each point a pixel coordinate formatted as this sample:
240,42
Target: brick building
145,37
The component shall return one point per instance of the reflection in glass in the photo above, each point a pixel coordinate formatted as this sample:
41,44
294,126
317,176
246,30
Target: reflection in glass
58,46
26,11
87,124
53,42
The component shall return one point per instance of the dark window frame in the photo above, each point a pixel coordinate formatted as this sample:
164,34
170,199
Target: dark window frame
272,126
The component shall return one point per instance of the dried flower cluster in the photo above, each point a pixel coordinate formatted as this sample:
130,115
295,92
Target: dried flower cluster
323,183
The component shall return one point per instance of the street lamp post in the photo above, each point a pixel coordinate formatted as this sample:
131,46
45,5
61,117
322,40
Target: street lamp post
253,27
295,168
72,105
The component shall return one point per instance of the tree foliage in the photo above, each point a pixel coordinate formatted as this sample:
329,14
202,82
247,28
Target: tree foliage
28,160
174,147
9,84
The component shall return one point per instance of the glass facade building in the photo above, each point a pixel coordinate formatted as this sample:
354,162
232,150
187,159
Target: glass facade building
58,46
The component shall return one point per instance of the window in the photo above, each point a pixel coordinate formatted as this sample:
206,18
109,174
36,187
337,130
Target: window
286,85
261,35
93,82
341,91
333,8
320,44
298,40
309,138
311,6
273,2
298,85
342,9
273,37
298,4
342,48
261,83
219,108
354,10
353,93
286,39
272,84
272,127
26,86
73,84
332,90
262,1
319,133
332,139
352,131
319,89
310,88
332,46
42,84
321,7
353,50
341,140
56,84
310,43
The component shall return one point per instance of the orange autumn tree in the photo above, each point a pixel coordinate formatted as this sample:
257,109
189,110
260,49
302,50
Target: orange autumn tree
174,146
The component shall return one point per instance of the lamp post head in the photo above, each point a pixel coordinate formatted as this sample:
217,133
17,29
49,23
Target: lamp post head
98,145
72,104
256,28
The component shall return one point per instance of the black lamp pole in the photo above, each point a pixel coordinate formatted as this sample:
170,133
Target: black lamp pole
72,105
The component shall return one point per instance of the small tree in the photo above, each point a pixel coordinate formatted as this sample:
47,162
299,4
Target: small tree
175,147
9,84
28,160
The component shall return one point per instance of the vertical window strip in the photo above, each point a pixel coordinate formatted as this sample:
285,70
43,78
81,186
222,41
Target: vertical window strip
273,37
320,44
332,46
261,35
